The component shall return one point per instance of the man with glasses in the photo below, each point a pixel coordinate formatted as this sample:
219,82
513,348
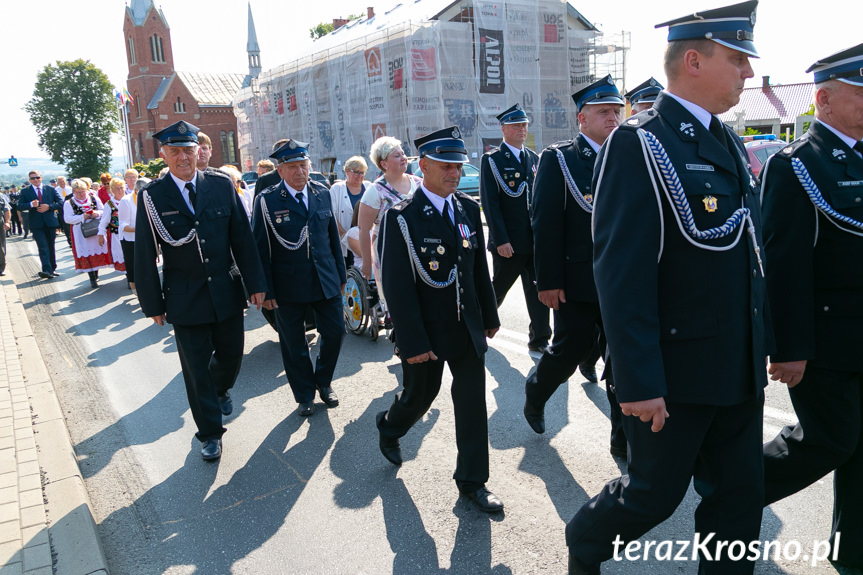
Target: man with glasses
41,201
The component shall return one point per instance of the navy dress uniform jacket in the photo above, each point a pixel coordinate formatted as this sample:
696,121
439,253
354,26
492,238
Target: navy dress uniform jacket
508,218
425,317
316,270
815,276
198,287
561,228
51,197
670,308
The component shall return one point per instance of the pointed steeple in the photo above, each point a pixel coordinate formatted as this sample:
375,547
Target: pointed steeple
252,48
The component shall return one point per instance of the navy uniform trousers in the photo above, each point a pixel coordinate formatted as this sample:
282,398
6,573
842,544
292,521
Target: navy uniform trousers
422,383
210,355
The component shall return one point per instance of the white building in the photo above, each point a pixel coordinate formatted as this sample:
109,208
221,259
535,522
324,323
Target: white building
421,66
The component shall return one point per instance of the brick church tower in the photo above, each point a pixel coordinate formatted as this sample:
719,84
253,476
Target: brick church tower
163,95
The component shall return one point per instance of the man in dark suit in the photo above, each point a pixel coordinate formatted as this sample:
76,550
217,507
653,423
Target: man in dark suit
562,207
683,299
194,219
443,308
815,284
41,202
298,242
505,188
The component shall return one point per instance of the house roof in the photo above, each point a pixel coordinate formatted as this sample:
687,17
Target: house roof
206,89
785,101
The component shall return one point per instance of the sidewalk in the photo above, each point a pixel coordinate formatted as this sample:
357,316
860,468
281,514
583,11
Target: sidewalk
46,524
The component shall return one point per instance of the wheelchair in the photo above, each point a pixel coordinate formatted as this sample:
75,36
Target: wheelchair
364,310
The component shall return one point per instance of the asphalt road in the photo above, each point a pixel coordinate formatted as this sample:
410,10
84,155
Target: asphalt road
315,496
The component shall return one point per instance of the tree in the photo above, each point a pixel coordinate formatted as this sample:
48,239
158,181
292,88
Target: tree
152,168
74,112
325,28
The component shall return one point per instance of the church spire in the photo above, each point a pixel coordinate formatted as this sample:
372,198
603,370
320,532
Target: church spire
252,48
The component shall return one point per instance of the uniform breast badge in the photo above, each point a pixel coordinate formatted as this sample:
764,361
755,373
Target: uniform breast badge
517,175
278,220
512,184
710,203
441,250
422,249
434,265
465,244
588,198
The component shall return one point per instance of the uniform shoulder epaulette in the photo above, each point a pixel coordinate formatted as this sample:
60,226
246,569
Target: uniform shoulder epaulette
791,149
269,189
559,145
463,197
492,150
149,185
210,171
317,186
531,152
402,204
640,120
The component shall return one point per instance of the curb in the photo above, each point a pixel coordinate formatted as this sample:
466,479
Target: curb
72,529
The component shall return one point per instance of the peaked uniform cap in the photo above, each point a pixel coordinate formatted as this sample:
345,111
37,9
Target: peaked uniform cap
732,26
514,115
291,151
180,134
602,91
845,66
444,146
645,93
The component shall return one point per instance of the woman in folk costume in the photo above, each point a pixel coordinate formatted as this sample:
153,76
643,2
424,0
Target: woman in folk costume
109,226
82,207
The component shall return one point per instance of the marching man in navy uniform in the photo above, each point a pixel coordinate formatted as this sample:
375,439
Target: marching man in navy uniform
505,189
195,221
813,233
562,207
677,261
298,242
443,308
643,96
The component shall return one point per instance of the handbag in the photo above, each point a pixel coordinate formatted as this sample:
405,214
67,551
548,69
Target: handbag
90,228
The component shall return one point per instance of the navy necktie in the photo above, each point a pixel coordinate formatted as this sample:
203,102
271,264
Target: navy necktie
446,216
717,131
303,209
858,147
192,195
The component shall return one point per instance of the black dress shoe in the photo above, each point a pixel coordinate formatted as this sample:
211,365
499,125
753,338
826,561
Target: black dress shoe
484,499
44,275
589,372
535,416
618,451
226,404
329,396
55,274
576,567
390,448
212,449
539,348
306,409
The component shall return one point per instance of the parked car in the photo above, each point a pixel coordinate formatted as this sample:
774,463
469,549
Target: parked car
320,178
760,148
469,183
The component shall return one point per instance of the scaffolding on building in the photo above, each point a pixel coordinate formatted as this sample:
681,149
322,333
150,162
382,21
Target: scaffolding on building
427,65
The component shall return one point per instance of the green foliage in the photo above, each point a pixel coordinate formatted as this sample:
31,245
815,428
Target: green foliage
751,132
325,28
151,169
74,112
321,29
809,112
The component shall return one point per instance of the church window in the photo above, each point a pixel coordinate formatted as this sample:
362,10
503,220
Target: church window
156,53
132,58
179,107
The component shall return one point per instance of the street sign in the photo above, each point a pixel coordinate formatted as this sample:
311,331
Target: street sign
13,162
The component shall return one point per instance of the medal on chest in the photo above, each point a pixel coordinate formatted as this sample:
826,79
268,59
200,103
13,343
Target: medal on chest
710,204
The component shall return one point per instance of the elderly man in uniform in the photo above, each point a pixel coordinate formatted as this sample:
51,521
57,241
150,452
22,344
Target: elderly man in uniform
194,219
643,96
682,291
815,285
443,308
562,207
505,188
298,241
